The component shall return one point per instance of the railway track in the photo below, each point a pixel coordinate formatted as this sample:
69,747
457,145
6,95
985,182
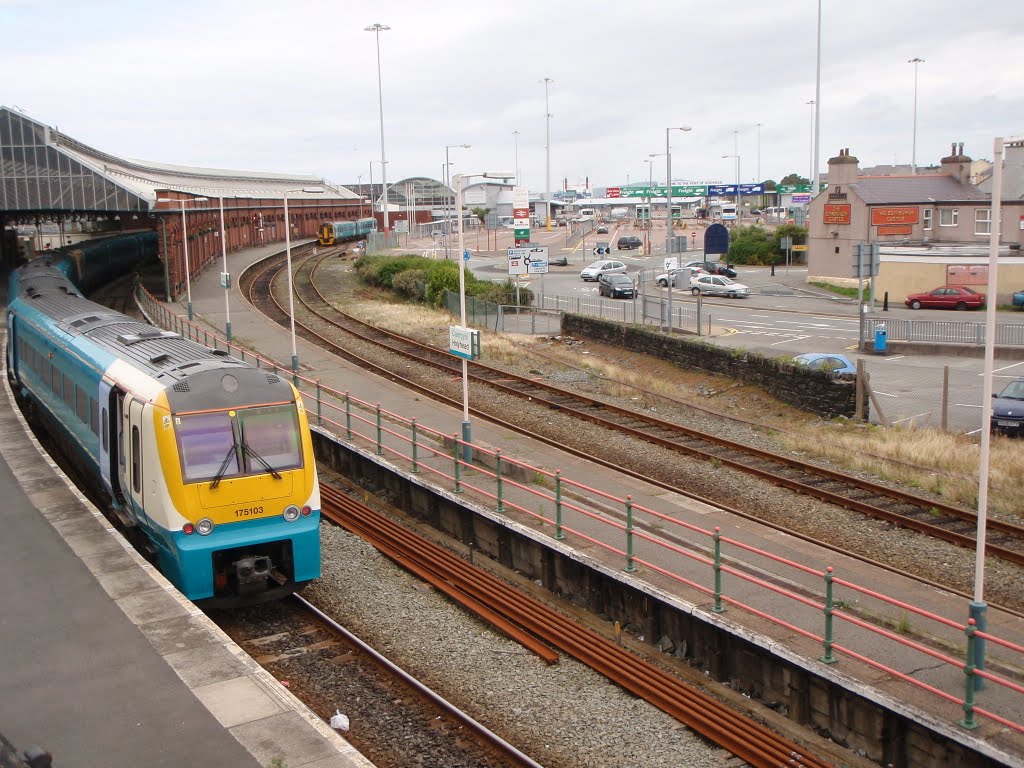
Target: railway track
540,628
946,522
395,720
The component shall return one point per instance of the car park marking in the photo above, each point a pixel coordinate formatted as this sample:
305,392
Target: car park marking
894,358
911,418
967,405
786,341
1004,368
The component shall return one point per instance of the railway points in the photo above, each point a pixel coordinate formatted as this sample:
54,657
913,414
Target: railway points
273,342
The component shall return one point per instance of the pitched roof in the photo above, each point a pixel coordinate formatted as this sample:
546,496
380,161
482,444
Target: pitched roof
930,188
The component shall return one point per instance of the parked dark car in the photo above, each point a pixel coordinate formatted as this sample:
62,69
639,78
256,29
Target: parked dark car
627,242
1008,409
713,267
947,297
616,286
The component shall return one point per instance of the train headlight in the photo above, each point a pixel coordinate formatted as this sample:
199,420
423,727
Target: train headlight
205,526
291,513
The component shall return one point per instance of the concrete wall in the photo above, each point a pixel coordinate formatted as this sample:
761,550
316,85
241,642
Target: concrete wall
809,390
803,690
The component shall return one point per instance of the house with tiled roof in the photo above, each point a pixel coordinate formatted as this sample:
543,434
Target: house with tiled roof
932,229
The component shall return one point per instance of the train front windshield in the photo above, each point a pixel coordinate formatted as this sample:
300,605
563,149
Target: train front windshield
238,442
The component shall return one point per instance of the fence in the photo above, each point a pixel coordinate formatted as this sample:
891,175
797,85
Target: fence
942,331
844,619
643,310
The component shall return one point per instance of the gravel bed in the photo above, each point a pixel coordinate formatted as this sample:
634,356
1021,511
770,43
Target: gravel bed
563,716
847,531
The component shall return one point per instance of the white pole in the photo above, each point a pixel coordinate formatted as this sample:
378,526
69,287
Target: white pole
291,303
913,147
516,135
547,148
467,435
978,606
227,279
816,181
184,242
377,29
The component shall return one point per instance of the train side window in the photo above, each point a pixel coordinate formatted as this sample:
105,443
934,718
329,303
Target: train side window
82,404
136,463
69,391
94,416
104,434
55,380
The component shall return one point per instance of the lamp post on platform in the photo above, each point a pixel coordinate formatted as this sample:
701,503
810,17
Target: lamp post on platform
668,187
184,240
288,259
467,430
447,181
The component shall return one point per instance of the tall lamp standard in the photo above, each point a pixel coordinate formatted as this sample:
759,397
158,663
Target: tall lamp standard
359,177
816,180
810,171
377,29
650,202
288,259
547,150
737,183
515,135
668,187
184,241
447,171
913,147
467,430
226,277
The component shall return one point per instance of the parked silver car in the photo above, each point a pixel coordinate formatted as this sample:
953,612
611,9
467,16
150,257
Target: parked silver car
717,285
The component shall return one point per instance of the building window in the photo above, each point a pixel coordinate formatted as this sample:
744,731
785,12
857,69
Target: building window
948,217
983,221
927,219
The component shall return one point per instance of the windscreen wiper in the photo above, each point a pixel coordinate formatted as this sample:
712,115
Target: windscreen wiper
223,466
261,460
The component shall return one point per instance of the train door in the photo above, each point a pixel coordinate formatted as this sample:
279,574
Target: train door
129,459
108,445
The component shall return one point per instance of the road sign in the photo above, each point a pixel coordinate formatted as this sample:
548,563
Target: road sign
716,239
865,260
537,260
465,255
801,198
799,248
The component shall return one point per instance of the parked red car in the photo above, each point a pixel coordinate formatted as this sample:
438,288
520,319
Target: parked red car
947,297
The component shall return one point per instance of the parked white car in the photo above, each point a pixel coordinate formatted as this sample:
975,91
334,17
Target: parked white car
662,279
603,267
717,285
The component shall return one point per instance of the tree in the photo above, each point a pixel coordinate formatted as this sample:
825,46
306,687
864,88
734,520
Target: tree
481,213
794,178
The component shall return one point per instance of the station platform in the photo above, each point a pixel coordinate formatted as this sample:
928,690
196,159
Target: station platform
254,331
103,663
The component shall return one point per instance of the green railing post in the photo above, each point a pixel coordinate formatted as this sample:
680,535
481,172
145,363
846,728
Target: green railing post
319,404
558,505
458,466
719,608
380,447
415,466
348,416
828,658
969,722
497,475
630,568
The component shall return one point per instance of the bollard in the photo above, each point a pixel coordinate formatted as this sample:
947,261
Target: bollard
828,658
885,302
497,476
458,466
348,417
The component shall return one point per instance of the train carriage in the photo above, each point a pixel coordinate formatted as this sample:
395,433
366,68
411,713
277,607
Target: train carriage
335,232
210,457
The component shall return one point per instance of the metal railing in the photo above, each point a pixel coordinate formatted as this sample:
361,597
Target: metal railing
942,331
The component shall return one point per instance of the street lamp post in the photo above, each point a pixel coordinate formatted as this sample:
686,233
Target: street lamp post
650,203
377,29
184,241
515,135
467,430
359,177
913,147
737,183
447,195
816,180
668,187
547,150
288,259
813,159
226,279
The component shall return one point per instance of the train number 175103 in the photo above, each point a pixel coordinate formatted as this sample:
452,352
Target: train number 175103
248,511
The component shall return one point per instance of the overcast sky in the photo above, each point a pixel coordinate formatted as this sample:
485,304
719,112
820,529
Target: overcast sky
292,86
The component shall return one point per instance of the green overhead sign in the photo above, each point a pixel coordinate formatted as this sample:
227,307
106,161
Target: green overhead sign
789,189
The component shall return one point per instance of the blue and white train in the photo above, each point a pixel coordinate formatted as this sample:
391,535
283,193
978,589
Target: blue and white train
334,232
210,457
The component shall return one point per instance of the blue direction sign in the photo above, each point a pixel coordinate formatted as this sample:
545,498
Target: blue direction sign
465,255
716,239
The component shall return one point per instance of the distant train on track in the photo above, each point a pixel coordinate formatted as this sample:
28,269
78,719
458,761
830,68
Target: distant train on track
208,456
334,232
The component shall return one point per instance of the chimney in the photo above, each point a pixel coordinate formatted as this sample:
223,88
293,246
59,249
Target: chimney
842,169
957,165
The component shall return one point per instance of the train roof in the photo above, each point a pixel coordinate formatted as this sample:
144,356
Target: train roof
165,356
